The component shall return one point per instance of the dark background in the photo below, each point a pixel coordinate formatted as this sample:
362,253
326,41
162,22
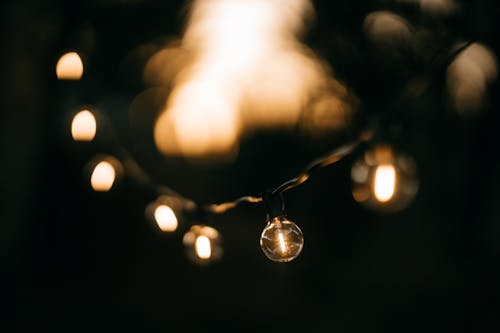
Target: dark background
82,261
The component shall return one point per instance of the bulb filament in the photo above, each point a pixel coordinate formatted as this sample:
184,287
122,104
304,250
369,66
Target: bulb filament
282,242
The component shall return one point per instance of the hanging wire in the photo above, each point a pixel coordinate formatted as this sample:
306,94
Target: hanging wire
141,177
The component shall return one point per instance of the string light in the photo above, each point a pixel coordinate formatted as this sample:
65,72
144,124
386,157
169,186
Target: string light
203,244
69,67
384,179
83,126
105,171
281,240
165,212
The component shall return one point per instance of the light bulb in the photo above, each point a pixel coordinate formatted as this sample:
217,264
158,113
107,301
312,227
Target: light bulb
281,240
83,126
104,172
203,247
166,219
69,67
384,184
203,244
384,179
103,177
165,212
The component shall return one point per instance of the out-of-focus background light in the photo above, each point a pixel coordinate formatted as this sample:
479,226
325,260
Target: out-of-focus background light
103,177
165,217
387,27
239,67
203,244
384,179
165,212
469,77
83,126
104,171
69,67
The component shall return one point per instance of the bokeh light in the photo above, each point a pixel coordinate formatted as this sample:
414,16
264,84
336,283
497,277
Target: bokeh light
165,212
203,248
387,27
384,179
384,184
104,171
83,126
69,67
203,244
103,177
166,219
469,77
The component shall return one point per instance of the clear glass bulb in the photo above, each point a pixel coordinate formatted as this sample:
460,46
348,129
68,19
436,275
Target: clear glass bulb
281,240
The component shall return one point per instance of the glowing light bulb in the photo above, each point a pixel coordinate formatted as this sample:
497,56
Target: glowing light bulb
281,240
202,247
166,212
103,177
384,179
384,184
165,218
69,67
203,244
83,126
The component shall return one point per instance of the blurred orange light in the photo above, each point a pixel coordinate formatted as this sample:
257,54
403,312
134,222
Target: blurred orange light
103,177
246,69
384,184
83,126
200,121
165,218
202,247
69,67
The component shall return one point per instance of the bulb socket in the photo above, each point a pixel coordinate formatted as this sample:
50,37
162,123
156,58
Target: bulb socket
274,204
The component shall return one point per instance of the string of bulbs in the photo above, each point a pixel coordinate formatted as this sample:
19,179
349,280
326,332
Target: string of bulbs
383,178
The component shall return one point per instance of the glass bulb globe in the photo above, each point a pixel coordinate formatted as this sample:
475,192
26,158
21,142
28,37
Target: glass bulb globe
384,179
281,240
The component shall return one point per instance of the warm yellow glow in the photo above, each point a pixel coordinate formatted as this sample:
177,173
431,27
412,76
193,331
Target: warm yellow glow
69,67
202,247
199,122
282,242
83,126
385,182
165,218
239,66
103,177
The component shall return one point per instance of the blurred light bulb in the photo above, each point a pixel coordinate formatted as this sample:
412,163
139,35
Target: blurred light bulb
69,67
83,126
202,247
203,244
384,184
165,218
166,212
103,177
384,180
281,240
